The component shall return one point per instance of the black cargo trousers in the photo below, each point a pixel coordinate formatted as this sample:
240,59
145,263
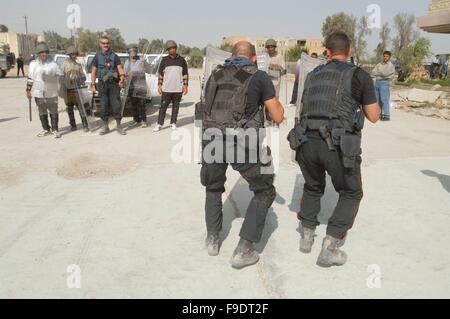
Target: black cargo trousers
110,100
315,159
213,177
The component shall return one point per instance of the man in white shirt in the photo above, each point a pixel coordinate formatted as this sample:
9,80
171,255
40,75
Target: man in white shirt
42,83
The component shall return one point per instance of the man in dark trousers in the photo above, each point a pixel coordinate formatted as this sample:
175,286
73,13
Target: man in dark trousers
108,69
337,98
20,63
236,94
173,83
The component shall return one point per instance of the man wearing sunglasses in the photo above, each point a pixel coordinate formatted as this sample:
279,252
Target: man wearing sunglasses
108,70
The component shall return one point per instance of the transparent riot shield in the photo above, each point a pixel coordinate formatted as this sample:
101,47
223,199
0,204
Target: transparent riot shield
263,62
305,65
85,106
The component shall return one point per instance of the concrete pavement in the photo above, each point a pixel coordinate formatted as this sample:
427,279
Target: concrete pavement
132,220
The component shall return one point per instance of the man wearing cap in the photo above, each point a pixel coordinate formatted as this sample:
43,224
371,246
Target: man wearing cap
108,70
42,83
173,83
74,79
277,66
137,93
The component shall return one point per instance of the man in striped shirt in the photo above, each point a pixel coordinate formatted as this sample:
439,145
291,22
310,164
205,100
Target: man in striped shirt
173,83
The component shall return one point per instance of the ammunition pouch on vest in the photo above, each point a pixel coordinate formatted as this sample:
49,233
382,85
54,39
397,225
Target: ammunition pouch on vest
328,104
107,70
226,100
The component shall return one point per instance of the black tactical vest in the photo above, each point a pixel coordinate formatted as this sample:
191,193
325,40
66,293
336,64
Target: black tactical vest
226,99
328,100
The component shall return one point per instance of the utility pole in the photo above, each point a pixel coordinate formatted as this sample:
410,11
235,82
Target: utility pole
26,24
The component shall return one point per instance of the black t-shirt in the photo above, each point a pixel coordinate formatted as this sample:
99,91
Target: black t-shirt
363,89
260,90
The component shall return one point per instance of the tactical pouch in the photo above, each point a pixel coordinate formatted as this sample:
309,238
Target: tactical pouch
359,121
351,149
297,137
336,135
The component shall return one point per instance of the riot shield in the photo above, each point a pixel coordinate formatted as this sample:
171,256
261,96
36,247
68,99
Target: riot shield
84,103
305,65
215,57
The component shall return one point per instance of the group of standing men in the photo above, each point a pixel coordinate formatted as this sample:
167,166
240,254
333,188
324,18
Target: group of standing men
46,81
338,96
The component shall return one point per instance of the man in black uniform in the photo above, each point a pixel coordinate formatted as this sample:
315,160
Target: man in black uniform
337,98
108,70
236,94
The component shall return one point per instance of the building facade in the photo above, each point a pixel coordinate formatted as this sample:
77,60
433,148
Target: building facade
284,44
19,43
438,18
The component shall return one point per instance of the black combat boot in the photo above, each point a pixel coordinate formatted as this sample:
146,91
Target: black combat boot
120,128
244,255
105,128
73,123
85,124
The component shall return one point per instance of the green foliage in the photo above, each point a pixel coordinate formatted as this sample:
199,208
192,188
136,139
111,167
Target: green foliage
117,42
56,42
88,40
341,22
295,53
227,47
3,28
414,55
195,59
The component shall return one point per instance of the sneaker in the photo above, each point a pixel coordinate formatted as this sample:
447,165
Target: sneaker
174,127
213,245
144,125
157,128
56,134
44,133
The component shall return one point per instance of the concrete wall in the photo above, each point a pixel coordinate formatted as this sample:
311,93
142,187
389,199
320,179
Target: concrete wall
20,43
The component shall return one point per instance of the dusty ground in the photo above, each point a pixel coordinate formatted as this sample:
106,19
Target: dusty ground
132,220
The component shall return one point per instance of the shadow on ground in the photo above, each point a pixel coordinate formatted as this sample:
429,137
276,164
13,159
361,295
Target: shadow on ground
444,179
8,119
236,207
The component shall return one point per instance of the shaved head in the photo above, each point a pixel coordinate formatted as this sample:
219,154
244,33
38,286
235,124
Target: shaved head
244,49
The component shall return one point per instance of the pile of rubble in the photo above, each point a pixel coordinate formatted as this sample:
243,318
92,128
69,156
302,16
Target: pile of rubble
433,103
419,73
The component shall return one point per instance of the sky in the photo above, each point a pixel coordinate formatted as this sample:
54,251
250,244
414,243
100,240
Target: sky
203,22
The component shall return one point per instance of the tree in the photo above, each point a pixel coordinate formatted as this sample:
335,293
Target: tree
407,34
88,40
196,58
414,55
157,46
227,47
360,42
385,35
3,28
295,53
117,41
56,41
340,22
143,45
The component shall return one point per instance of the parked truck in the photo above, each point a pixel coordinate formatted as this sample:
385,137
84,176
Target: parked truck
7,59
